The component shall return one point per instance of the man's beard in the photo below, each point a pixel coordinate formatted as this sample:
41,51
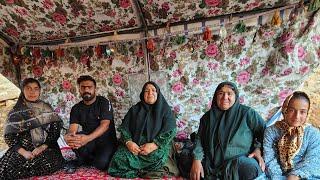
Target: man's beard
87,96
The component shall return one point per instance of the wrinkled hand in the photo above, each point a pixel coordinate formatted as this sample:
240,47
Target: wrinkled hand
196,170
39,150
257,155
148,148
133,147
26,154
293,177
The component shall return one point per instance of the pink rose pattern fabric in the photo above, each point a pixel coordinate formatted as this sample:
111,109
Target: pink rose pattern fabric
161,11
266,70
59,86
41,20
188,73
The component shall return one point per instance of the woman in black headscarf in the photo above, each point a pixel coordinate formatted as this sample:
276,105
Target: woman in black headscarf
146,134
31,132
229,139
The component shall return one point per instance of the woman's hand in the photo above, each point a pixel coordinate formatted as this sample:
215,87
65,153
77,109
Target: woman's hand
293,177
133,147
39,150
148,148
26,154
257,155
196,170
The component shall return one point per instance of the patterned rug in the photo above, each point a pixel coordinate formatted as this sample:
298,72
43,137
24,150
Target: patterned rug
84,173
88,173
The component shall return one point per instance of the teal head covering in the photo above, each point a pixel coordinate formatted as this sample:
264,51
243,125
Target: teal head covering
149,119
220,125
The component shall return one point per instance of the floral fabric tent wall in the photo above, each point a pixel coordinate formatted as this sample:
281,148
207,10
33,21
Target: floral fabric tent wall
40,20
267,62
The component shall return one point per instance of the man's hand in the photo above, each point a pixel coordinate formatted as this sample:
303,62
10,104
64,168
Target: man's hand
133,147
76,141
26,154
72,140
39,150
196,170
257,155
82,139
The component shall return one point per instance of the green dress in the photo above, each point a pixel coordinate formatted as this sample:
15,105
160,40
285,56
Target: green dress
144,124
226,135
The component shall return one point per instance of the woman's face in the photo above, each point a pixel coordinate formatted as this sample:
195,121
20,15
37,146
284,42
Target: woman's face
31,92
297,112
150,94
225,97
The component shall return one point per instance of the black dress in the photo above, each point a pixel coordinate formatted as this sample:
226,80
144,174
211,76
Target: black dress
15,166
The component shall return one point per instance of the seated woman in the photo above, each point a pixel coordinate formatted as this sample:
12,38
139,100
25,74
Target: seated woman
146,135
31,132
291,147
229,139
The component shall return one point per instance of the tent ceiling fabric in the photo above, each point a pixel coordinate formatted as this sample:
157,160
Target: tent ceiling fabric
31,21
160,11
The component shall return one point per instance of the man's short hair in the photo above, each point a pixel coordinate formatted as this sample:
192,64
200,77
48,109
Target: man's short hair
86,78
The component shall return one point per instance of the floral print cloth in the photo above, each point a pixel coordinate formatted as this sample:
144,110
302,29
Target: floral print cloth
267,63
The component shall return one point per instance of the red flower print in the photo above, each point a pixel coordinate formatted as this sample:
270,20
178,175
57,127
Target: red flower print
315,38
131,22
212,3
125,3
303,70
111,13
117,79
301,53
265,71
253,5
243,77
181,135
165,6
176,109
66,85
242,41
212,50
285,37
9,1
21,11
37,71
47,4
106,27
173,55
195,81
60,18
84,59
140,53
287,72
213,66
288,48
244,61
177,87
12,32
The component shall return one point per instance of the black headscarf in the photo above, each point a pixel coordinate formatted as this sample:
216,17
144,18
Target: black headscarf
152,119
30,116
